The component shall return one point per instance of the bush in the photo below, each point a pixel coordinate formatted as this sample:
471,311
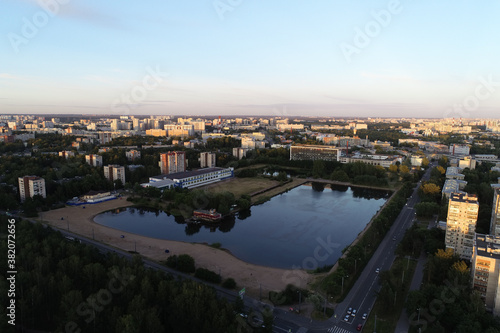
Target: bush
207,275
183,263
229,283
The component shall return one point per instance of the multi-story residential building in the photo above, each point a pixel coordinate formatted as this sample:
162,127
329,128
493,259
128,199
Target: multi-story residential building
208,160
133,155
104,137
485,269
179,130
114,172
456,149
29,186
461,224
156,132
94,160
315,152
172,162
239,153
495,214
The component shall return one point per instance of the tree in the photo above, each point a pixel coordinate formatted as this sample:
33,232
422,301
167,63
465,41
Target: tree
404,169
318,168
340,176
393,168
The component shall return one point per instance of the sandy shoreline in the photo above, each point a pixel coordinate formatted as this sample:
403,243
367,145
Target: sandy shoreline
250,276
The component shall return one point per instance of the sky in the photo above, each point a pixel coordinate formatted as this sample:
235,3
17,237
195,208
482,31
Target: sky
332,58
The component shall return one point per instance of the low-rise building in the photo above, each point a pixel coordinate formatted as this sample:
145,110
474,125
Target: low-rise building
191,179
315,152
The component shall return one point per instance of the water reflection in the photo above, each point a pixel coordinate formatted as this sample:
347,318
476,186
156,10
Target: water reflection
278,233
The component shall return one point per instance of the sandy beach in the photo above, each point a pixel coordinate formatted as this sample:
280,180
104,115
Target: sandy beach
79,220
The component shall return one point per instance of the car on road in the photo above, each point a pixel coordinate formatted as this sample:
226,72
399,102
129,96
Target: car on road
364,316
353,313
346,318
393,238
349,311
377,270
359,327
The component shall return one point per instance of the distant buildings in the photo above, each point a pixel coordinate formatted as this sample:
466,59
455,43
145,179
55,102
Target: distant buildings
94,160
173,162
208,160
114,172
485,269
461,224
29,186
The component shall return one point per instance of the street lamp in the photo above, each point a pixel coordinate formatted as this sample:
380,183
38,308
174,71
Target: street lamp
343,282
300,298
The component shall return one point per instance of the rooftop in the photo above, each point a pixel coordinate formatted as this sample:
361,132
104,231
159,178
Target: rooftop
487,246
180,175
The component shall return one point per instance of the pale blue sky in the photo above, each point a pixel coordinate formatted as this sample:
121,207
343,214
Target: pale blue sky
255,58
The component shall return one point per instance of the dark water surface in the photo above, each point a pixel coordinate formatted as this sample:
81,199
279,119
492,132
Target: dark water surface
304,227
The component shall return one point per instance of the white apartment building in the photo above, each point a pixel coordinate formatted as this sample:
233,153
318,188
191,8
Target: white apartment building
461,224
29,186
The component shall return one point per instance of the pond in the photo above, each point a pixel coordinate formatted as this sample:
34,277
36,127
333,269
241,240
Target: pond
305,227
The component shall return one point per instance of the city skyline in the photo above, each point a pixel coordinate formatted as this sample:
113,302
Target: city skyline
327,59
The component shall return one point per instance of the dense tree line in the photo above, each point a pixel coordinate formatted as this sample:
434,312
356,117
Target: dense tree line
446,301
63,284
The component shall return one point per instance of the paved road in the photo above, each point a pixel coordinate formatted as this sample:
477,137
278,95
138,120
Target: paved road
363,294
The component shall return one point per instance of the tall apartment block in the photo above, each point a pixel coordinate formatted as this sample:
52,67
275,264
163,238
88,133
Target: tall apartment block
495,214
94,160
485,270
461,224
29,186
207,160
114,172
172,162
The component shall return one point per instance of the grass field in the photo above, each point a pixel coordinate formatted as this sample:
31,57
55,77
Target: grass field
240,186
